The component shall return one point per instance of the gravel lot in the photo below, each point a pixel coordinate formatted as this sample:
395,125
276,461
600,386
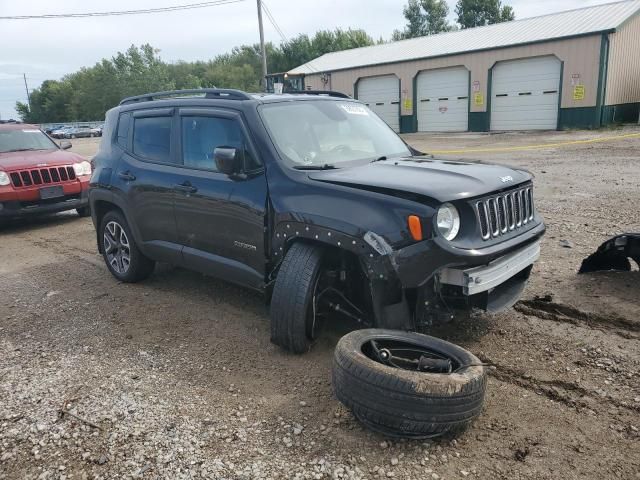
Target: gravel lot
176,378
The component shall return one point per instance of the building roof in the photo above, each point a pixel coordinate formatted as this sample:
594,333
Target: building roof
570,23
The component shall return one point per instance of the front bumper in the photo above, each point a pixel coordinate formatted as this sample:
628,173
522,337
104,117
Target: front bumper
13,208
422,267
417,264
486,277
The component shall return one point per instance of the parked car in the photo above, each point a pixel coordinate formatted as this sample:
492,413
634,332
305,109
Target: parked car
38,176
49,130
313,200
59,132
97,131
78,132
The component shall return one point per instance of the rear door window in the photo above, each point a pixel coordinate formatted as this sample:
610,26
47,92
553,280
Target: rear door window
152,138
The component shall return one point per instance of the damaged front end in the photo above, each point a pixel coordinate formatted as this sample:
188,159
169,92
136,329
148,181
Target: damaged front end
433,281
614,254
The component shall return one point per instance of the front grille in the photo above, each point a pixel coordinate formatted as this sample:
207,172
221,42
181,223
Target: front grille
42,176
501,214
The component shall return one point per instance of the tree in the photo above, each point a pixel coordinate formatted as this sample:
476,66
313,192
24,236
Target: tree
476,13
87,94
424,17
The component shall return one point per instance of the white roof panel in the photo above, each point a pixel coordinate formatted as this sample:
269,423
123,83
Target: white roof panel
569,23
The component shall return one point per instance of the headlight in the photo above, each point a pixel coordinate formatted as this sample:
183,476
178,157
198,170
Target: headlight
448,221
82,168
4,179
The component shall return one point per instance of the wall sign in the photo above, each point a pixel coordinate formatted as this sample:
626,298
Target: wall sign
476,86
578,92
478,99
408,104
575,79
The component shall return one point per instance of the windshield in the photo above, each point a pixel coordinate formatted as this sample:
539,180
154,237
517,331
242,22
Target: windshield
25,139
316,133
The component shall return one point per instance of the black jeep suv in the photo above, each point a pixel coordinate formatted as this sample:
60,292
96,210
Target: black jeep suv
313,200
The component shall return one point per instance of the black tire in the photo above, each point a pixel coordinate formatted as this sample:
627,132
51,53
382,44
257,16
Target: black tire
292,300
403,403
84,211
139,267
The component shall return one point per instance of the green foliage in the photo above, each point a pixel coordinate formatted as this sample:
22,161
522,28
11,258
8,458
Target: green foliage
87,94
424,17
476,13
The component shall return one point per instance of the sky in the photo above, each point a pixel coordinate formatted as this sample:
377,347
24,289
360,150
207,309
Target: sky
49,49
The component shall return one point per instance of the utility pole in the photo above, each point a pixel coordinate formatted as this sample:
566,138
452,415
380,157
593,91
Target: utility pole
262,47
24,75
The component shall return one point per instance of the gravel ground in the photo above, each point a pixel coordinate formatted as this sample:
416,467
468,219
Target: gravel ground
176,378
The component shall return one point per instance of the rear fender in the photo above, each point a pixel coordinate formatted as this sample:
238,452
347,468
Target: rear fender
100,196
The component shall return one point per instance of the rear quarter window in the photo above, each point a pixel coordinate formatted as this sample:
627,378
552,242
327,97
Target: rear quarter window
123,130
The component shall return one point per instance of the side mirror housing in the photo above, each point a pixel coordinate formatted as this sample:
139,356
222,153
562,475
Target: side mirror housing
65,145
229,160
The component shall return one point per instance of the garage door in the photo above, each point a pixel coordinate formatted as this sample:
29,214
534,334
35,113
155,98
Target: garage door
525,94
382,95
443,100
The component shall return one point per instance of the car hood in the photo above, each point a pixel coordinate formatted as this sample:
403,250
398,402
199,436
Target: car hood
38,158
441,180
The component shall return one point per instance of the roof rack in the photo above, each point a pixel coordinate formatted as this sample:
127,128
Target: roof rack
210,93
328,93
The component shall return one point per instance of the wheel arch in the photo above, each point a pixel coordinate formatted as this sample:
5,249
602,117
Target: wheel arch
103,202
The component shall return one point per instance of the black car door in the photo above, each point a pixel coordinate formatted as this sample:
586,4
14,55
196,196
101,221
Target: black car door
146,176
220,218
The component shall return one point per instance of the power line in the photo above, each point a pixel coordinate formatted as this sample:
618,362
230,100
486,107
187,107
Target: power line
174,8
282,35
274,23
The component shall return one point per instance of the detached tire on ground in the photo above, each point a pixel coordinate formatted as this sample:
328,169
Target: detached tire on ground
398,401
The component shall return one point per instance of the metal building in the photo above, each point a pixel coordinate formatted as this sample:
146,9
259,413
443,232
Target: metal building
573,69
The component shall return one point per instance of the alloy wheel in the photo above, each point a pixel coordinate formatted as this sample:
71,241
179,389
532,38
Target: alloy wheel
116,247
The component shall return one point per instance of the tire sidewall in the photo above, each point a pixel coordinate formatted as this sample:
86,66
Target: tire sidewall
431,383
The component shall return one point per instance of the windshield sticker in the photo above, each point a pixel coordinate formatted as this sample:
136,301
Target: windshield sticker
354,109
31,131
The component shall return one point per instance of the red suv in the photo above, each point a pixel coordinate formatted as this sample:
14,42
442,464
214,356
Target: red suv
38,176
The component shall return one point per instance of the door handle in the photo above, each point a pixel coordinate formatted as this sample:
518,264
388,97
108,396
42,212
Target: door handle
186,187
129,177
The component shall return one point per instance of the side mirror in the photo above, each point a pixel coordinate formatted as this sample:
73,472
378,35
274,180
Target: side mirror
65,145
228,160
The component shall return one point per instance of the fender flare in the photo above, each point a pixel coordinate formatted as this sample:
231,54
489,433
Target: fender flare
372,250
100,195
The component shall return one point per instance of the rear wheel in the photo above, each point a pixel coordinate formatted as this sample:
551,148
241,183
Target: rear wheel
120,252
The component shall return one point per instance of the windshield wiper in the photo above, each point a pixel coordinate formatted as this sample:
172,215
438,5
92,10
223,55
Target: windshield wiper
22,150
379,159
326,166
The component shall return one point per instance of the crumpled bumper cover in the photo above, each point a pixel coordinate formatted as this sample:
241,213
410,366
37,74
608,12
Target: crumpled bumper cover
614,254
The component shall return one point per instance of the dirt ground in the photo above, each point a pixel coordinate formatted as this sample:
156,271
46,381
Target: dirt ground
176,378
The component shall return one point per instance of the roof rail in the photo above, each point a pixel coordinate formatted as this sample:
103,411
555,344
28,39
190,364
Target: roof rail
328,93
222,93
